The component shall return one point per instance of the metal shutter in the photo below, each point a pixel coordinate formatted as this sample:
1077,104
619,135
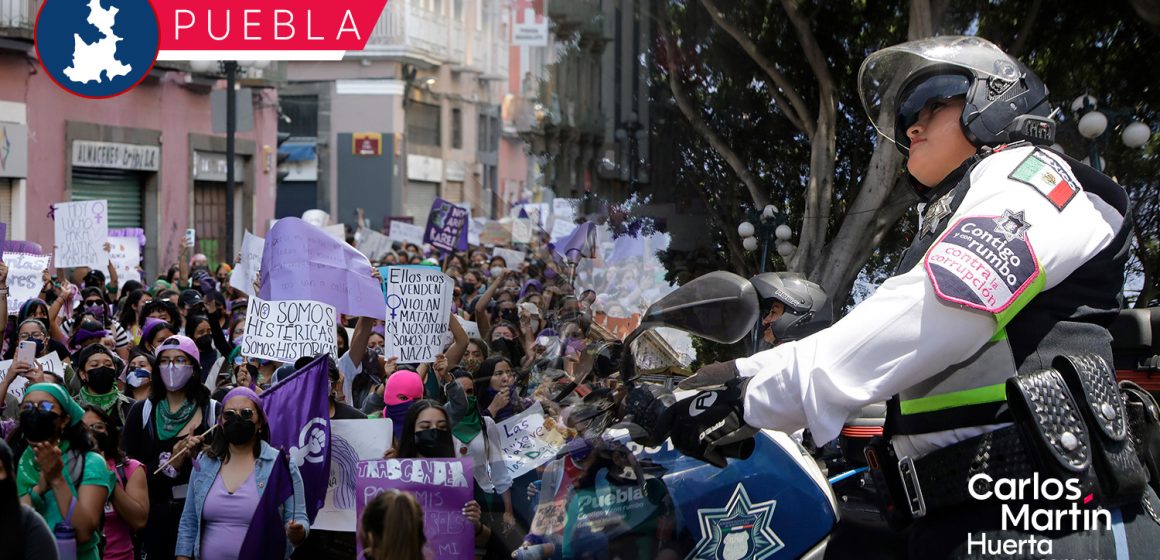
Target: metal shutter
121,188
418,198
6,201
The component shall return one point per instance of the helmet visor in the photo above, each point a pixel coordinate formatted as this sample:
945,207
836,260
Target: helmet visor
919,94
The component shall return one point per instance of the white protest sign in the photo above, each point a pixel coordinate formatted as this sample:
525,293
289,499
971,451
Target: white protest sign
474,228
373,244
337,231
351,441
513,258
561,229
521,230
564,209
25,278
81,228
418,312
287,330
406,233
242,277
471,328
522,438
125,254
50,363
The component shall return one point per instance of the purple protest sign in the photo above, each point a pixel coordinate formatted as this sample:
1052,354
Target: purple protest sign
442,487
298,412
302,262
446,226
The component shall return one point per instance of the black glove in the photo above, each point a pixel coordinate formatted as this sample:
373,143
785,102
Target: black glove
710,425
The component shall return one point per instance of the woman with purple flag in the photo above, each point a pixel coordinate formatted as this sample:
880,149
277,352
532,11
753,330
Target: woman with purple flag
227,484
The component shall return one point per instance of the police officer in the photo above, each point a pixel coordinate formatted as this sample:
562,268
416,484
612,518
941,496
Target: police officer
791,307
1019,258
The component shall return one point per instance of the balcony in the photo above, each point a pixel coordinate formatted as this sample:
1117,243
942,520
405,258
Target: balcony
18,18
570,15
408,32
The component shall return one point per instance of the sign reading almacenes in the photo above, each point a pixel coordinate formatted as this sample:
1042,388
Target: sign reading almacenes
113,155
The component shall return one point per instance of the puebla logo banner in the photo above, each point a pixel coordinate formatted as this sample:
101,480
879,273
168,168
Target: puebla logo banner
103,48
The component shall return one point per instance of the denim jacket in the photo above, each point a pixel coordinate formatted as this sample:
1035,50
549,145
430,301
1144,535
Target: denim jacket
205,471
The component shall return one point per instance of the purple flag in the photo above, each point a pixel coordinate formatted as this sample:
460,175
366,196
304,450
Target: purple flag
442,487
298,411
446,224
580,244
300,261
135,232
266,536
29,247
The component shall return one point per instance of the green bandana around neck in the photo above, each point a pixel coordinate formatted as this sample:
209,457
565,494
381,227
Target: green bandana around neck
470,425
170,423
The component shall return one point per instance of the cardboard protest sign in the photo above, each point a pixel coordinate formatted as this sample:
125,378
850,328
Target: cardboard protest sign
521,230
288,330
302,262
25,278
564,209
351,441
125,254
373,244
445,225
442,487
495,233
81,228
50,363
526,443
512,258
242,277
406,233
474,228
418,312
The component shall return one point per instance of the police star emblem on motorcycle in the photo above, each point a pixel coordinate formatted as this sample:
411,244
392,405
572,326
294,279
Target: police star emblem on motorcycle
739,530
1012,225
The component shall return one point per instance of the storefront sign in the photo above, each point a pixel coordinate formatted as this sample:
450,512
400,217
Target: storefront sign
367,144
210,166
113,155
423,168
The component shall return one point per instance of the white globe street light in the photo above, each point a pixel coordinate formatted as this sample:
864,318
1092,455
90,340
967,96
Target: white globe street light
1135,135
785,249
1092,124
769,212
1078,104
783,233
203,66
750,243
745,229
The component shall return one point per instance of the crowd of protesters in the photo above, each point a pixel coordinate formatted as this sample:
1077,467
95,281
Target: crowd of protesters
152,441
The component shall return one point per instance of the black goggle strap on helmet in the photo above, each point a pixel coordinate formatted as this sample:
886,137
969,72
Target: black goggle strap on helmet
921,93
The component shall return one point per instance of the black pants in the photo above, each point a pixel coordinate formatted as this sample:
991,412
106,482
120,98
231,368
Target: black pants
976,531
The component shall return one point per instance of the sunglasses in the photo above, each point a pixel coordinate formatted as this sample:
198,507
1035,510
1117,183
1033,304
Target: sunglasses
46,406
243,413
99,427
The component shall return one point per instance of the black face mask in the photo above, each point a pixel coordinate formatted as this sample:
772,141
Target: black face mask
102,440
510,315
469,287
204,343
434,443
101,380
239,431
39,425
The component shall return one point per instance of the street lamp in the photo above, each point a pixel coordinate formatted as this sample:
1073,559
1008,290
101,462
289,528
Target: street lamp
771,227
230,69
1093,125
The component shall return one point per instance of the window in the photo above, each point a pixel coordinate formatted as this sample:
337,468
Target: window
488,133
423,124
302,110
457,129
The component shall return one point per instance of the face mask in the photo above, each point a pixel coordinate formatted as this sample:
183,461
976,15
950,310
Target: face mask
204,343
550,274
495,272
509,315
101,379
239,430
102,439
175,377
469,287
38,425
434,443
39,346
137,377
97,311
470,364
576,345
375,351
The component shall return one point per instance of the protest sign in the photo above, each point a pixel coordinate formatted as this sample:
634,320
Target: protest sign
495,233
50,363
287,330
469,327
3,237
561,229
302,262
441,486
513,258
337,231
523,441
81,228
521,230
373,244
445,225
564,209
25,278
474,229
418,310
125,254
406,233
351,441
242,277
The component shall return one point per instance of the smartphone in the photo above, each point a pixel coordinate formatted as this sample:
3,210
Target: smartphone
191,237
26,352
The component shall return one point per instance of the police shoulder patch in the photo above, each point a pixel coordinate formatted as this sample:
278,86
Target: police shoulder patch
983,262
1044,173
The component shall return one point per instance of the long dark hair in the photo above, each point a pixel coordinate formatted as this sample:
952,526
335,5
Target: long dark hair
12,529
395,520
128,315
219,447
406,443
482,380
195,390
112,448
163,304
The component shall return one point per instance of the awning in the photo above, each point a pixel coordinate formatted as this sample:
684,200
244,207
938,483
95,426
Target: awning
299,151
